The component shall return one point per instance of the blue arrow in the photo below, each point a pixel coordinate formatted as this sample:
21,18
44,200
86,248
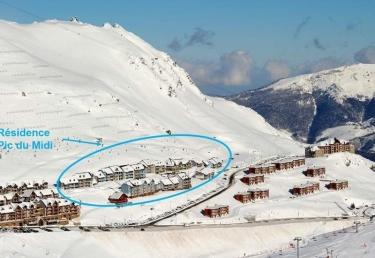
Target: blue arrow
97,143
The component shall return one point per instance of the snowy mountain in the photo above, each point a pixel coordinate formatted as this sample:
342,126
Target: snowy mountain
308,105
79,80
87,82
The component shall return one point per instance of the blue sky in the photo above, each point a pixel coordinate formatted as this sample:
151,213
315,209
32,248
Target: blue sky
267,39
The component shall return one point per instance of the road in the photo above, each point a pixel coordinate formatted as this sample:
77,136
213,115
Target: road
57,228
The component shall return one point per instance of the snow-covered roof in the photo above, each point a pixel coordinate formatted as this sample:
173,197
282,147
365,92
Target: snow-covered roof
253,175
216,206
83,175
69,180
307,184
6,209
127,168
262,166
99,174
9,196
328,142
257,190
138,166
166,181
116,195
205,172
339,181
136,182
183,176
160,163
51,201
156,180
27,193
147,162
243,193
45,192
174,180
107,171
116,169
170,163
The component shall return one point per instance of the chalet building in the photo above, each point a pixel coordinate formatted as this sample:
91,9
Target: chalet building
8,198
328,147
118,174
118,197
47,193
149,166
160,167
263,169
167,184
128,171
139,171
216,211
70,182
204,174
253,179
148,186
84,179
304,189
338,185
185,181
259,193
22,186
29,195
213,163
109,174
13,187
32,195
47,211
315,172
99,176
243,197
183,163
289,163
174,183
142,187
79,180
172,166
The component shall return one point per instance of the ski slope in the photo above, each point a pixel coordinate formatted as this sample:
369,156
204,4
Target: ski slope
79,80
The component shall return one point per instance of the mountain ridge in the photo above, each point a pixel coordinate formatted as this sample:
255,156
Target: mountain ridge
307,105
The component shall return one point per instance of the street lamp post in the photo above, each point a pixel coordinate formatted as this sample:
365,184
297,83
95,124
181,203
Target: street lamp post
298,239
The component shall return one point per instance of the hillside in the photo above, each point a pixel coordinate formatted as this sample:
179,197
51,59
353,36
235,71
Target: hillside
308,105
79,80
87,82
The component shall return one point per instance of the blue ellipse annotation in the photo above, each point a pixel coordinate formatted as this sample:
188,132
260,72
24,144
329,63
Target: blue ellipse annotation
182,135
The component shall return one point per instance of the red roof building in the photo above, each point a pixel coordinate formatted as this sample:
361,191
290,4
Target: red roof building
118,197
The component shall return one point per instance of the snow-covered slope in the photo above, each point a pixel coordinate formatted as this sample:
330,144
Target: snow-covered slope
355,81
307,105
79,80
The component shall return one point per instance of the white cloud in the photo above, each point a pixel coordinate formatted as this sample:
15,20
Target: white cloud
232,69
277,70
